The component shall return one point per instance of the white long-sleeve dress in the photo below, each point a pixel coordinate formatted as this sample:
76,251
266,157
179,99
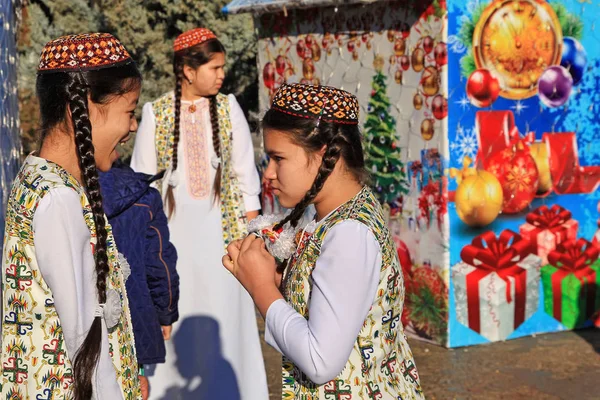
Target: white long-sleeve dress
215,351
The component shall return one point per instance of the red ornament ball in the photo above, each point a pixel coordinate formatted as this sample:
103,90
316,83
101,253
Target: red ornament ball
439,107
427,44
483,88
301,49
441,54
518,175
280,64
405,63
269,75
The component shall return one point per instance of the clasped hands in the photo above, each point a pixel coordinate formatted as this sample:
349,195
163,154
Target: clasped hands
250,262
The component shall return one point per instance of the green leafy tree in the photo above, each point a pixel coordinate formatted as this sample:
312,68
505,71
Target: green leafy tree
383,157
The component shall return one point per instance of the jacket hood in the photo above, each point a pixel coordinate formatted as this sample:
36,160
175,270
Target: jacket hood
122,187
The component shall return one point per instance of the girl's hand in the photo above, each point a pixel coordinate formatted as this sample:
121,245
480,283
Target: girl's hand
251,263
166,331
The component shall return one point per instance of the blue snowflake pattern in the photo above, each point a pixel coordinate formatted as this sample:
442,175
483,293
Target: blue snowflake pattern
464,144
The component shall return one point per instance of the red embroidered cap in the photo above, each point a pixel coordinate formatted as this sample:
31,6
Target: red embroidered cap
83,52
193,37
325,102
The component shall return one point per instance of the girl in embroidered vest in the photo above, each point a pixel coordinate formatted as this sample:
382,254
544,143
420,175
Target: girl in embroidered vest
210,192
336,319
67,329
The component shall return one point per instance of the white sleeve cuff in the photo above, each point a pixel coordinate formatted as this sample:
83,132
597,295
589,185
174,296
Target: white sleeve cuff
251,202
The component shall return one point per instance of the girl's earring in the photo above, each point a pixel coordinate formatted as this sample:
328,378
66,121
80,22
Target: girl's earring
190,81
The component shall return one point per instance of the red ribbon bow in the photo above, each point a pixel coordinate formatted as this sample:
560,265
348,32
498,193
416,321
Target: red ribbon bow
574,257
548,218
416,168
500,255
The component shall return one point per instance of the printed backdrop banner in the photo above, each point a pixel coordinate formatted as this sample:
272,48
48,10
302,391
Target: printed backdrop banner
479,117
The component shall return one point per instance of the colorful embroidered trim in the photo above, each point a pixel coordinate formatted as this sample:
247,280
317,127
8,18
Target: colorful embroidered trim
193,37
82,52
327,103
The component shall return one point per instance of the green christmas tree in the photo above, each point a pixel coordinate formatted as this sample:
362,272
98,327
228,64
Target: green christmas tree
383,157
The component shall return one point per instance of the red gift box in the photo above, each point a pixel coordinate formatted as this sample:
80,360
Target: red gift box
509,257
546,228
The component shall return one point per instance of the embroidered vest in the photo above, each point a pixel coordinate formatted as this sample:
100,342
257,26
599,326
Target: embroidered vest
233,213
35,363
381,365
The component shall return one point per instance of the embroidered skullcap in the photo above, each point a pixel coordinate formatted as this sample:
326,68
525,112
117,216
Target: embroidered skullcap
192,38
83,52
307,101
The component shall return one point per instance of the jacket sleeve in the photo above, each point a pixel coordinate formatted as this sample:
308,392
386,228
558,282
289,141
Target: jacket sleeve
161,259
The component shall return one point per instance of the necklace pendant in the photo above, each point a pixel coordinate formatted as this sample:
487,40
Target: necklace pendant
192,108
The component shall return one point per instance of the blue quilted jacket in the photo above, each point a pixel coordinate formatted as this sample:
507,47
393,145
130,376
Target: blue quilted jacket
135,211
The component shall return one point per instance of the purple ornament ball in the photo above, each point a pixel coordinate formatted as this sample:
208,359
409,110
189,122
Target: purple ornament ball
554,86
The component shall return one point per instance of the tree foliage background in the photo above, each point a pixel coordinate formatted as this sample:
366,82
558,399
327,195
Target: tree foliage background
147,28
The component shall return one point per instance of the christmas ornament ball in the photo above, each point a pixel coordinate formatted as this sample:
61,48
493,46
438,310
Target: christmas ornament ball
418,101
574,58
517,173
427,129
427,44
418,59
316,51
269,75
400,47
478,199
439,107
308,68
280,64
483,88
539,152
441,54
378,63
430,81
398,76
554,86
405,63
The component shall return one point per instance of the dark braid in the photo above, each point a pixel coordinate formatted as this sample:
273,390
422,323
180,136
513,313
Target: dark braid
170,197
330,158
86,358
214,122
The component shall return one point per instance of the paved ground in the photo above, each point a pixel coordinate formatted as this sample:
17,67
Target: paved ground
553,366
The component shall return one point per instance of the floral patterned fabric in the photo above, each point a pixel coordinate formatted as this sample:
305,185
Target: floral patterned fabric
381,364
233,221
34,361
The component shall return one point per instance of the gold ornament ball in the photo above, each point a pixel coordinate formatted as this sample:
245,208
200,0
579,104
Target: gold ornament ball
418,59
431,81
478,199
418,101
539,152
427,129
316,52
308,68
378,63
398,77
400,47
392,60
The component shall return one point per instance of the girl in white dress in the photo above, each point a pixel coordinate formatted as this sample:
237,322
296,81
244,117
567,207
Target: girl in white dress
211,189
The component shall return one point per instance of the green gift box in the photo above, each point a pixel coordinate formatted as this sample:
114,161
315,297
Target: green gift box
571,282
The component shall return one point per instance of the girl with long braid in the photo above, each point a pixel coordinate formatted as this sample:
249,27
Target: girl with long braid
210,190
335,312
66,331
